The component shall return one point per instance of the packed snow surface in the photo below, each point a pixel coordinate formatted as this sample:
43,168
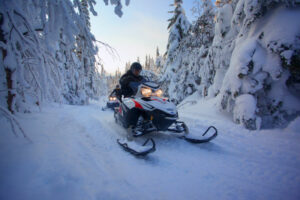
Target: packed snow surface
74,155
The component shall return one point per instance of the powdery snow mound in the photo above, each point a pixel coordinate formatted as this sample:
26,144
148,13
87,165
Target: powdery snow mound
294,126
74,155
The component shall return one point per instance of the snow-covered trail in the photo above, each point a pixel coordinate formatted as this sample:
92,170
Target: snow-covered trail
74,155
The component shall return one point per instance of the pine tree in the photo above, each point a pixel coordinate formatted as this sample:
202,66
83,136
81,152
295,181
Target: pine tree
146,65
157,52
84,12
203,29
184,66
159,61
178,28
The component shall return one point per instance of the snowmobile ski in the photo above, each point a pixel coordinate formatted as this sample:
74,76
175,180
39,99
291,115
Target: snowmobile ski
138,150
204,138
180,127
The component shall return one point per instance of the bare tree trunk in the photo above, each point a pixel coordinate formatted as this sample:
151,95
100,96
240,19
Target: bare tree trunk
8,72
9,84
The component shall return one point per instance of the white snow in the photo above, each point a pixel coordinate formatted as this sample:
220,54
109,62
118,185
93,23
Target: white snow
245,107
74,155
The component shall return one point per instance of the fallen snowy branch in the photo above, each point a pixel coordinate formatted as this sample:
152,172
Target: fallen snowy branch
13,122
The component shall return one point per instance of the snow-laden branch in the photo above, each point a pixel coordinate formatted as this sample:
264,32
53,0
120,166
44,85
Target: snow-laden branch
112,51
14,123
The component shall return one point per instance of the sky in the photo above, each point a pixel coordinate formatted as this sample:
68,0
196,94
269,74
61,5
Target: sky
141,29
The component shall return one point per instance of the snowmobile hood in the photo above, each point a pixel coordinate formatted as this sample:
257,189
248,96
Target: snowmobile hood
158,103
151,85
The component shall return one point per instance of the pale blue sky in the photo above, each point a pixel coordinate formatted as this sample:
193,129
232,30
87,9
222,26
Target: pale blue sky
141,29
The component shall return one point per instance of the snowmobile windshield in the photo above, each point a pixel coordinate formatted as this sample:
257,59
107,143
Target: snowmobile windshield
134,85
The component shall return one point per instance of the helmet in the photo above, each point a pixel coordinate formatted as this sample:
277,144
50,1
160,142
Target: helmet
136,66
117,86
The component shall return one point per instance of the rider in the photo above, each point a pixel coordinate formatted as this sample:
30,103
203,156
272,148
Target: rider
131,76
116,92
127,80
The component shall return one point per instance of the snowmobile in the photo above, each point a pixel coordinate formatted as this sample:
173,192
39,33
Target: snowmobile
149,112
112,103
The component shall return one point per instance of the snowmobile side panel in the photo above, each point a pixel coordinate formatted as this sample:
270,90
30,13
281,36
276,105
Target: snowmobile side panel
130,117
162,120
129,103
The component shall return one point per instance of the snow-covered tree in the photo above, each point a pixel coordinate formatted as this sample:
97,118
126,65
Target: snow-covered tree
182,71
150,65
241,56
179,28
47,53
248,66
196,9
159,61
216,60
113,80
150,70
203,28
260,85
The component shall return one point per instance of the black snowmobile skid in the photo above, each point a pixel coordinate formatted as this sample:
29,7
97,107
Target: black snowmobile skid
134,152
197,140
180,127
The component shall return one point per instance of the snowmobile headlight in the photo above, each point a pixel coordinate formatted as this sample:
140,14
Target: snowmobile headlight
146,91
158,93
112,98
